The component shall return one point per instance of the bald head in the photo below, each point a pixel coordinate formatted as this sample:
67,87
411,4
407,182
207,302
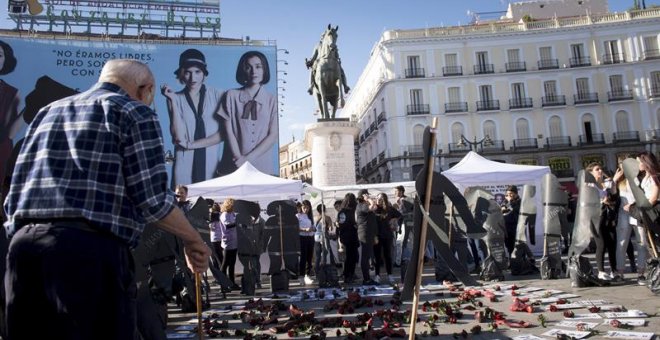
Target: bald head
132,76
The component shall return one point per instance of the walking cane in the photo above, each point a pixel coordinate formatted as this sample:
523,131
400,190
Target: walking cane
198,293
651,243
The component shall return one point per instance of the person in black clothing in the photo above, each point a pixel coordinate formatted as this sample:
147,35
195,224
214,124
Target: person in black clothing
387,218
365,217
348,235
511,210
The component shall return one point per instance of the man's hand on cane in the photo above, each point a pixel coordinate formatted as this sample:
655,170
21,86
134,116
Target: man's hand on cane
197,255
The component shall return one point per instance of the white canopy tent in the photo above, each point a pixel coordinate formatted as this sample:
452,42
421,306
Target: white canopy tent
475,170
247,183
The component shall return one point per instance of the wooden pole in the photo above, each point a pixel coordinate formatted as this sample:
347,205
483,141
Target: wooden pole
451,219
651,242
198,293
422,232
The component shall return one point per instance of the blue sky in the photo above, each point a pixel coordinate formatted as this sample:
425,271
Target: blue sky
297,24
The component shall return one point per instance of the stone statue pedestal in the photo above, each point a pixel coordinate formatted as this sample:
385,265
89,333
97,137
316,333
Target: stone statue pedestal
331,143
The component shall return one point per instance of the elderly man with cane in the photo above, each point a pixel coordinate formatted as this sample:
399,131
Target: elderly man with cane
89,177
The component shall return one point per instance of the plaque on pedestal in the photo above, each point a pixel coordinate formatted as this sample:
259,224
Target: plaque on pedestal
331,143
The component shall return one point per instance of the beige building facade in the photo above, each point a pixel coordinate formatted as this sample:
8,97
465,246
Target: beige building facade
529,88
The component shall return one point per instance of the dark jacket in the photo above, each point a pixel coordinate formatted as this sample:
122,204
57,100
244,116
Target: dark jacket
511,214
384,225
348,233
367,223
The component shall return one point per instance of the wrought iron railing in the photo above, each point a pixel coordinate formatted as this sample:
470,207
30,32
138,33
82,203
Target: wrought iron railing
452,70
556,100
515,66
415,72
486,105
580,61
456,107
520,103
547,64
484,69
585,97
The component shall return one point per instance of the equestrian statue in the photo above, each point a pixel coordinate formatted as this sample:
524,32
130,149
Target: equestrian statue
327,77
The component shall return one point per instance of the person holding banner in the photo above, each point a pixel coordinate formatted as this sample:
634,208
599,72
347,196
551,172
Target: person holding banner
192,117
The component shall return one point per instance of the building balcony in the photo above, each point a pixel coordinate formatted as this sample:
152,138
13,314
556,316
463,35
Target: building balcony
618,95
516,66
418,109
580,62
381,157
373,127
456,107
651,54
625,136
413,151
497,146
459,147
362,138
521,103
548,64
452,70
594,138
558,142
415,73
488,105
381,117
614,58
556,100
484,69
525,143
655,91
585,98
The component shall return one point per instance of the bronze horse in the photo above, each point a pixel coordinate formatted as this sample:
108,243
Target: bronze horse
327,74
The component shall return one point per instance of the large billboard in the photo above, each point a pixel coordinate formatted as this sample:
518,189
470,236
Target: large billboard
217,104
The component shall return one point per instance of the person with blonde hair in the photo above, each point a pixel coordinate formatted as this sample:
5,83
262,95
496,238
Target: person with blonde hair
229,239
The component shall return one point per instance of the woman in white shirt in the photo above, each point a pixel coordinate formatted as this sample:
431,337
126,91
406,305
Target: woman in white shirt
306,231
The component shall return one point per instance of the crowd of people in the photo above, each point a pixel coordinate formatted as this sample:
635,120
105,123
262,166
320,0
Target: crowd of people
619,234
373,233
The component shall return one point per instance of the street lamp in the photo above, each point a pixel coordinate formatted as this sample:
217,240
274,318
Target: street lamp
283,72
283,50
284,61
476,144
281,88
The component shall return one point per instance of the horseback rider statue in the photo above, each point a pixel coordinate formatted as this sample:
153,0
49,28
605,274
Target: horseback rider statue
327,76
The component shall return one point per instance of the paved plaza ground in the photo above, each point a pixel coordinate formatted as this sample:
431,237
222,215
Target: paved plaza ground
627,296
